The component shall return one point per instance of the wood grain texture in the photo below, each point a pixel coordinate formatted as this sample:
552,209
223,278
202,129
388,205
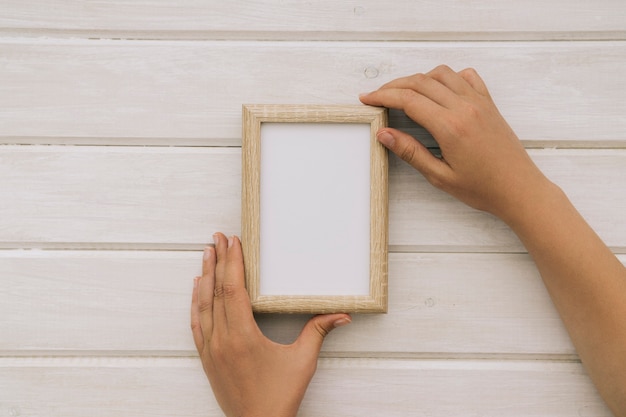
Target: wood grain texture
253,117
379,217
190,93
173,198
341,387
250,200
137,303
327,19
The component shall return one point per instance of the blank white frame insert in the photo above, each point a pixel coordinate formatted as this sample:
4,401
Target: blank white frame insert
314,217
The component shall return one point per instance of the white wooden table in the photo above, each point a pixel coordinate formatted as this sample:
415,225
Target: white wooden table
120,130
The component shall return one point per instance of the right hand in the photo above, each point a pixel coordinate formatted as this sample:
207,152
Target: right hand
483,162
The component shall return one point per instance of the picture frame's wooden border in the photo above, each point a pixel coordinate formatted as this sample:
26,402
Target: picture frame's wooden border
253,117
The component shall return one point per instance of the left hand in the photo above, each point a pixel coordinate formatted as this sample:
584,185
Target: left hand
250,375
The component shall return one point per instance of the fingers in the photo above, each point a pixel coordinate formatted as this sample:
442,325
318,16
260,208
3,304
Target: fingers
416,154
432,100
219,311
442,86
452,79
429,86
231,302
237,301
196,327
219,297
203,294
317,328
472,78
418,107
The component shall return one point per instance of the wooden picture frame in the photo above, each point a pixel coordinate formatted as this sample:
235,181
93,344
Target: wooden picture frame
335,127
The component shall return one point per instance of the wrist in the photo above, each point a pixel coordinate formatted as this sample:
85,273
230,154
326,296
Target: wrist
277,410
533,201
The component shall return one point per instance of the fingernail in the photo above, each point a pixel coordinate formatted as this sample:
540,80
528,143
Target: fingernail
215,239
230,241
363,94
195,282
341,322
207,253
385,138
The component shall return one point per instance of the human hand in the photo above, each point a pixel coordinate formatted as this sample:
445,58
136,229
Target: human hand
483,162
250,375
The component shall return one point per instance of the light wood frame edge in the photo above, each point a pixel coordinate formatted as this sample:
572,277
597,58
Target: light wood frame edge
252,117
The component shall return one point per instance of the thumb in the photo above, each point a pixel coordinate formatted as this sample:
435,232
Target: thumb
316,329
412,151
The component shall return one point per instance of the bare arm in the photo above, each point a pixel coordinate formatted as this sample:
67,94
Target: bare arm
484,165
587,284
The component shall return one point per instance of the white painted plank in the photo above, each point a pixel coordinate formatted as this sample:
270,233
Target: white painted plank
594,180
104,300
138,302
453,304
73,387
342,387
184,92
177,197
364,19
118,194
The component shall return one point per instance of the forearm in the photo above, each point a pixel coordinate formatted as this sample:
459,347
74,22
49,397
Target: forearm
586,281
